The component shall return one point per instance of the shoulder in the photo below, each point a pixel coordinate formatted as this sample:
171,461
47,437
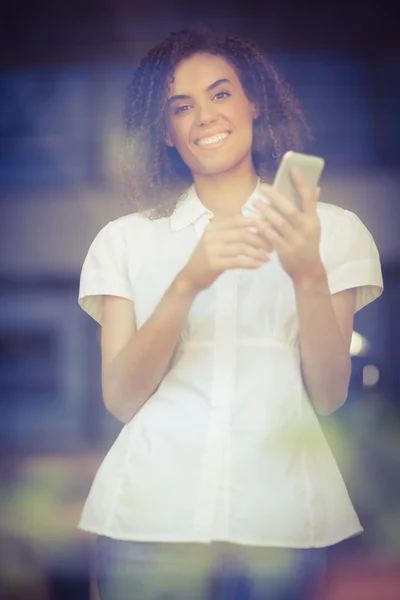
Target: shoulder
130,224
349,253
339,224
139,223
331,215
131,230
329,211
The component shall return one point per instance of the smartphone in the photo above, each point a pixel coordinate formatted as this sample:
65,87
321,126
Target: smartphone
311,168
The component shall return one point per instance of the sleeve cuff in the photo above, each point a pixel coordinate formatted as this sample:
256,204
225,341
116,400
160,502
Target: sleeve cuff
365,275
91,294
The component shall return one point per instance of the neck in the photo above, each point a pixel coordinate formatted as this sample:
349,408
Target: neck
225,193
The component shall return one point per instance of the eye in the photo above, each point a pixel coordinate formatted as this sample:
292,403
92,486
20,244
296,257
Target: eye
181,109
221,95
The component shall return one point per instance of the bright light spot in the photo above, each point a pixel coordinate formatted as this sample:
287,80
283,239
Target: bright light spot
370,375
359,345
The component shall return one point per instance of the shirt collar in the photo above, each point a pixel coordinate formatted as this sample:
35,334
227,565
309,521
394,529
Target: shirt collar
190,208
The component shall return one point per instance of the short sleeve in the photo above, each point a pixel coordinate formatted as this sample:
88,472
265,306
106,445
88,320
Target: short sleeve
104,271
353,258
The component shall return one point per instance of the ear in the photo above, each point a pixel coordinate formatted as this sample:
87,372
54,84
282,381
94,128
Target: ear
168,141
167,136
255,110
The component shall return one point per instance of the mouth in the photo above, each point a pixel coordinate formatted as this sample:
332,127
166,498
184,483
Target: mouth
213,141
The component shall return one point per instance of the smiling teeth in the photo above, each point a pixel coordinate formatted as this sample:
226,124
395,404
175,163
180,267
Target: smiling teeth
213,140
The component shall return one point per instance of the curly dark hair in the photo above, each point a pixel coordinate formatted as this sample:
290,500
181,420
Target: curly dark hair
153,174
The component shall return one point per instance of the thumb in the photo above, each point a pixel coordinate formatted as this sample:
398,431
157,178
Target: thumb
317,194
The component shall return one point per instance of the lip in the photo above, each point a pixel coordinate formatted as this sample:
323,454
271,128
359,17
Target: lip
216,144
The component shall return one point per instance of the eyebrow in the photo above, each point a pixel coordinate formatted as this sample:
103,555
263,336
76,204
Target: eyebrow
185,97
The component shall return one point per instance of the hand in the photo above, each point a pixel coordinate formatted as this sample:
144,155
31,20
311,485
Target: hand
225,244
293,232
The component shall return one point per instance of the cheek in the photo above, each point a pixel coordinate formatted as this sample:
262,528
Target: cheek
247,124
238,111
180,132
246,118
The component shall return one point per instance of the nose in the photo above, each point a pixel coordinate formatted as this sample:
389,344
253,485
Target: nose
205,113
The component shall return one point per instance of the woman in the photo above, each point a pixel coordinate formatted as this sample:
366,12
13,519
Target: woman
223,338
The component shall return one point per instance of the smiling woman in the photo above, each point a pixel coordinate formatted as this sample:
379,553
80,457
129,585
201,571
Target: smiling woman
192,86
223,337
203,117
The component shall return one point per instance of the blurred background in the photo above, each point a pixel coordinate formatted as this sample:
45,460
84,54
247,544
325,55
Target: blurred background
64,69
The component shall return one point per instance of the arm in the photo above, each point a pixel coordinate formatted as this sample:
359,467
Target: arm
325,322
134,362
325,326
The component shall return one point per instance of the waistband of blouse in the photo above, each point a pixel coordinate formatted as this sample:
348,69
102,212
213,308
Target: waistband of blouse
247,342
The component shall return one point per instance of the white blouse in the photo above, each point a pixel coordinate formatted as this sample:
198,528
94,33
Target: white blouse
229,447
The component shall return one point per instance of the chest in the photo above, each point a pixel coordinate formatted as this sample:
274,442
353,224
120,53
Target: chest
252,303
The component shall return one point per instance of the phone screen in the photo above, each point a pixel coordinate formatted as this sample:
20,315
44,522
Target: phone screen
311,168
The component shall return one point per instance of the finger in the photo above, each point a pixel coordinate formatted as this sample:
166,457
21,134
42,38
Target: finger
242,262
276,240
242,249
307,196
244,236
281,203
278,221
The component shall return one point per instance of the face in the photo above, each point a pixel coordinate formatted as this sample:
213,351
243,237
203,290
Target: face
209,119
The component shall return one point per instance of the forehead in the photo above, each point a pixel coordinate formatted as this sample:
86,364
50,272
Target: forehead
196,73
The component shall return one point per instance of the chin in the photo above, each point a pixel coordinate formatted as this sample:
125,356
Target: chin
217,167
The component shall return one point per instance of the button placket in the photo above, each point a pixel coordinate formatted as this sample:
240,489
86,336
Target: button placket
224,369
